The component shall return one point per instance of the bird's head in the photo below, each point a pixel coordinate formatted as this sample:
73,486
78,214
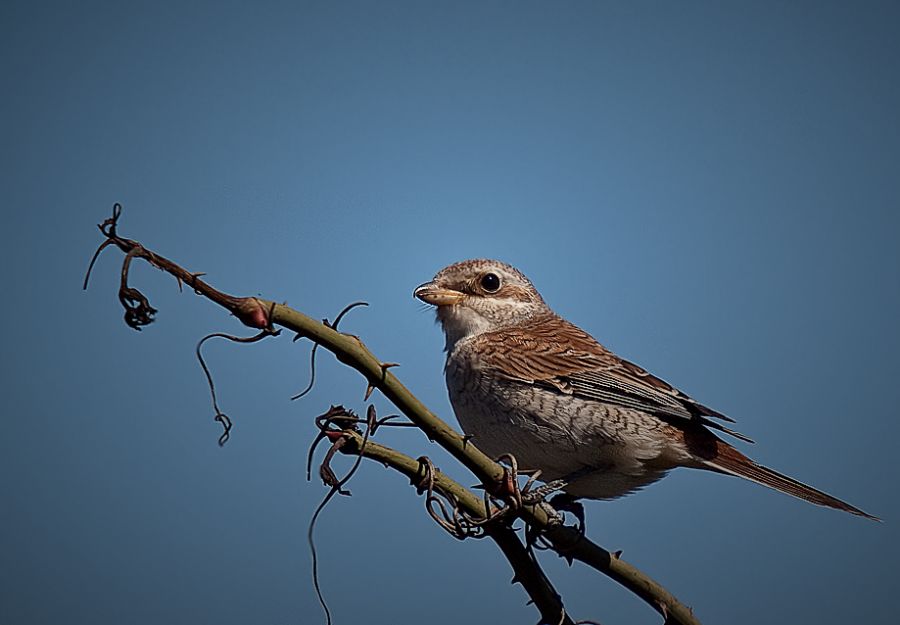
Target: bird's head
477,296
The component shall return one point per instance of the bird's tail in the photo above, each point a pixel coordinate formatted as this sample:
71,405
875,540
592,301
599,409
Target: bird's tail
727,459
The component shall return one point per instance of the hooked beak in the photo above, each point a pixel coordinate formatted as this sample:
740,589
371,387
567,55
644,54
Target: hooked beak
430,293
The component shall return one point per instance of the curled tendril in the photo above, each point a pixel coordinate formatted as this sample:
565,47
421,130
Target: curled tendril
346,420
108,228
220,416
312,356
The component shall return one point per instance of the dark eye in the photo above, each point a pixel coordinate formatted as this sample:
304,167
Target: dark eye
490,282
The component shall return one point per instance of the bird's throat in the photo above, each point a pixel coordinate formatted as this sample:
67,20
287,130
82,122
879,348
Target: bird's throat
459,323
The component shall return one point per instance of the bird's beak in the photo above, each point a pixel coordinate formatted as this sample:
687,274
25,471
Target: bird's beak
430,293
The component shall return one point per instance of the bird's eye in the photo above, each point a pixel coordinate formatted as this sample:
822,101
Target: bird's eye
490,282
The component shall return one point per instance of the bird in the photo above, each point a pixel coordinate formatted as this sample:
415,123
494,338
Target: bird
524,381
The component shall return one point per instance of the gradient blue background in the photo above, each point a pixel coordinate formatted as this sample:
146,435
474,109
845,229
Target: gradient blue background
711,189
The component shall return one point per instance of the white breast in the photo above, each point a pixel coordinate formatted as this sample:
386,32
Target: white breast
556,433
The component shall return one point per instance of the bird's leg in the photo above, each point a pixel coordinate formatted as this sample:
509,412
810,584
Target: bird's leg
508,486
562,502
537,495
541,492
533,475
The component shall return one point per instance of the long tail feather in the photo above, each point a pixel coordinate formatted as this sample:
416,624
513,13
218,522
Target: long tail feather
729,460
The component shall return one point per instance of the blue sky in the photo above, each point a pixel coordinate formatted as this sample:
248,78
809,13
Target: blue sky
710,189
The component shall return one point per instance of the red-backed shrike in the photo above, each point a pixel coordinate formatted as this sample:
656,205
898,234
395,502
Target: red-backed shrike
525,381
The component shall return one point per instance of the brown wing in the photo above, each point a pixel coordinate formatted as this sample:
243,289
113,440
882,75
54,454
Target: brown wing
560,356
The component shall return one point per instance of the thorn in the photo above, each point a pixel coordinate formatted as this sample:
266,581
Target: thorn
617,554
297,337
387,365
369,389
663,608
529,602
569,559
194,277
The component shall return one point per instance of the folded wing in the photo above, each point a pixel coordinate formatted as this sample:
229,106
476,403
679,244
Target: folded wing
560,356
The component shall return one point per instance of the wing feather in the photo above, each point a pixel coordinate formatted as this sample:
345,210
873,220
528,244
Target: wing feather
557,355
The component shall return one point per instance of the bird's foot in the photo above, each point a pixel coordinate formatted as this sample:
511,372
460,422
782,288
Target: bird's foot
564,502
531,496
506,491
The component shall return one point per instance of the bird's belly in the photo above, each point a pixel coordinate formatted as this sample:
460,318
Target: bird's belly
612,450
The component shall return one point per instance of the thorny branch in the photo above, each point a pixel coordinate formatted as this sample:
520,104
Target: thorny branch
250,311
539,517
312,354
462,519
